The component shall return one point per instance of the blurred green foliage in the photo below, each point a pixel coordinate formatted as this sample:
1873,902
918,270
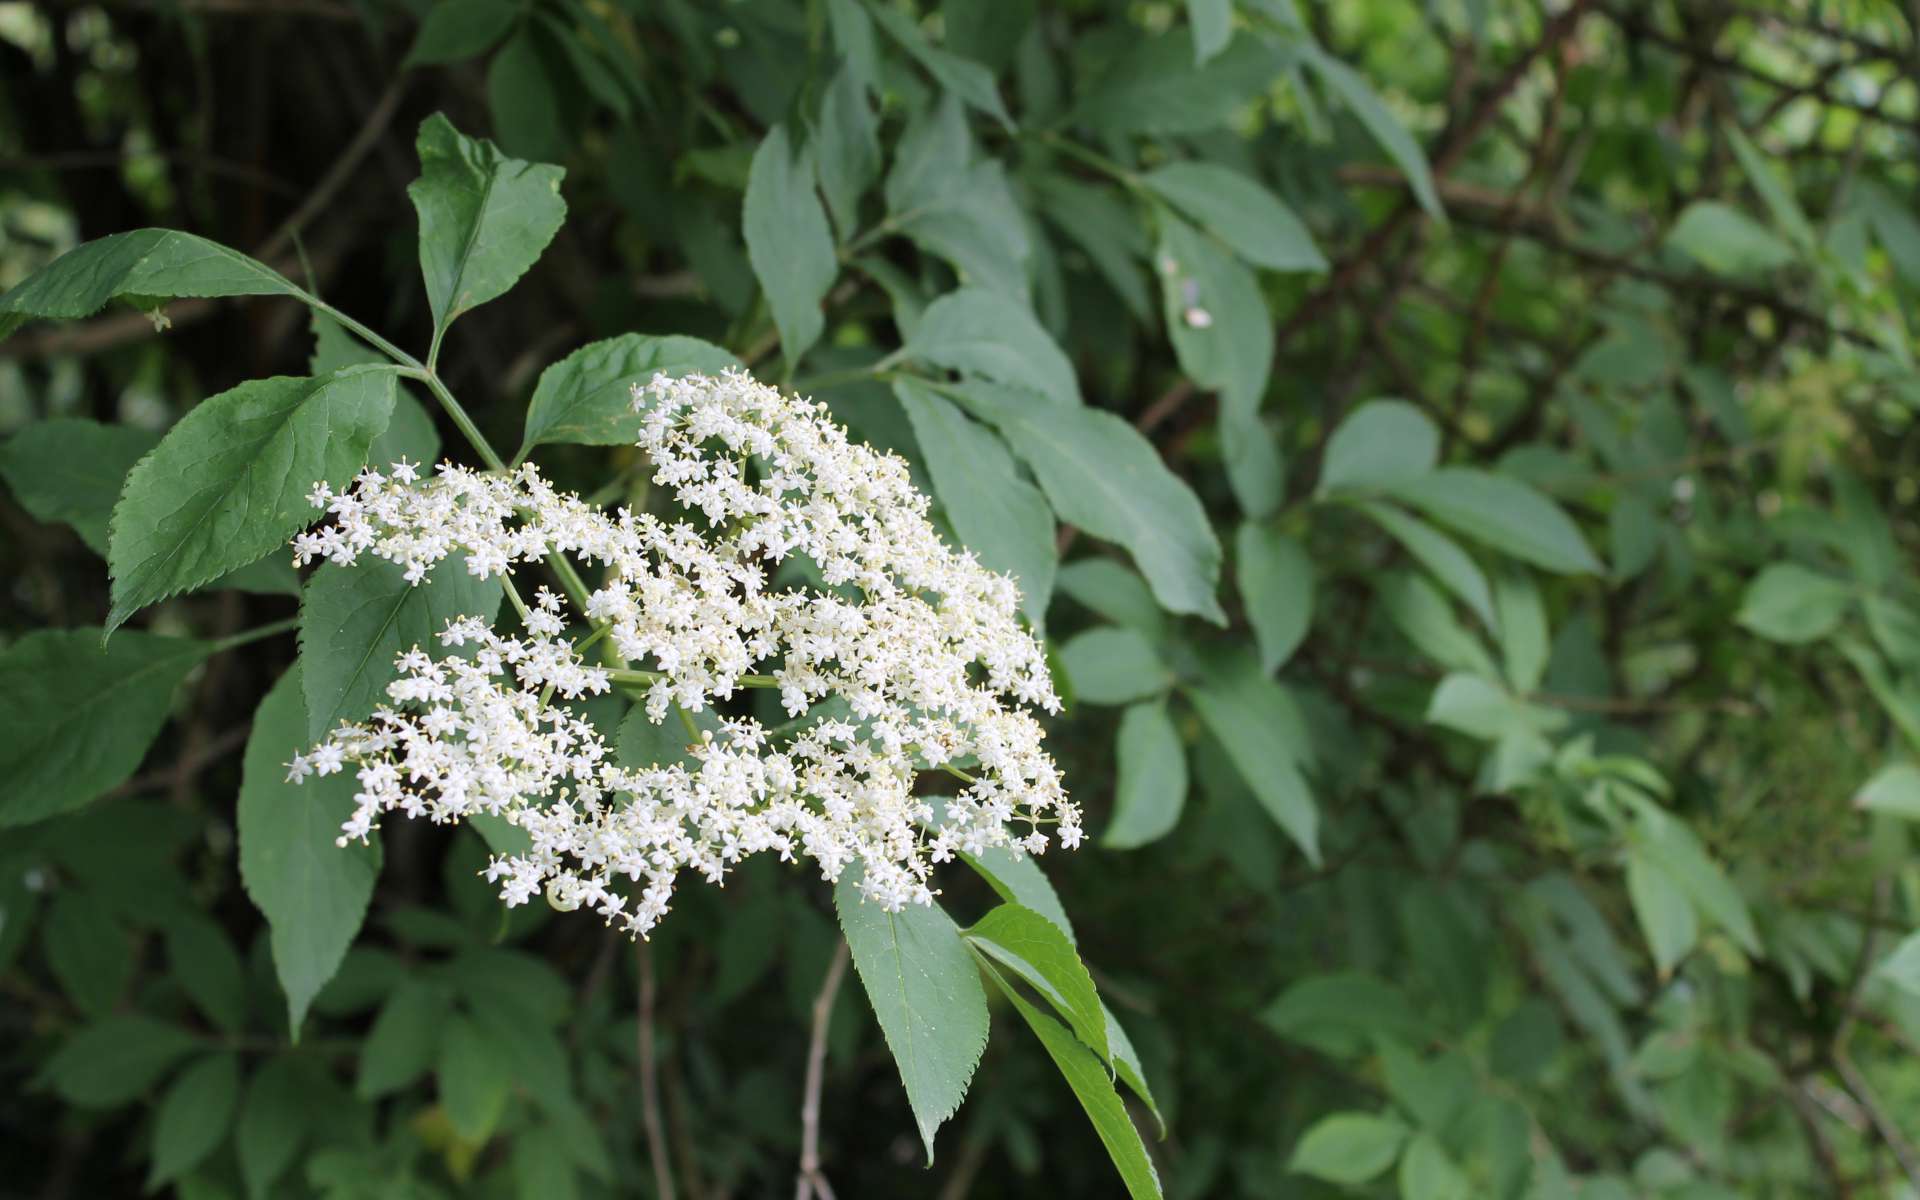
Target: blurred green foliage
1469,445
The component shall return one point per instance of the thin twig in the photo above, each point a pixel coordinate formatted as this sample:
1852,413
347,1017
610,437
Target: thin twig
650,1079
112,331
371,130
319,9
104,160
1850,1075
810,1182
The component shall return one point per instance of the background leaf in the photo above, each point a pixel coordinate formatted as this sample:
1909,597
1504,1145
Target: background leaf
788,241
80,715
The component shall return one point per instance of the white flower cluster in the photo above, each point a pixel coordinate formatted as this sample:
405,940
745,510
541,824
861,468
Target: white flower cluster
899,657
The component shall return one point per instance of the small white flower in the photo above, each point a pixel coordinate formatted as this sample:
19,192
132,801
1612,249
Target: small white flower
912,658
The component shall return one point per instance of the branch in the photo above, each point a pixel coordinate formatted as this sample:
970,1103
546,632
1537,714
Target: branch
101,160
1635,24
1850,1075
810,1182
319,9
108,332
1455,141
650,1079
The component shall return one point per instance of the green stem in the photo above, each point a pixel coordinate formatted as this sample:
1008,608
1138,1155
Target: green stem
513,594
628,675
460,418
368,335
256,634
1091,158
829,379
570,582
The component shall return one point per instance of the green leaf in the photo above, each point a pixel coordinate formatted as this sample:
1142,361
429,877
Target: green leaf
356,620
1212,23
410,435
1111,664
229,483
70,470
404,1039
1106,587
194,1117
1523,630
1504,513
1020,881
1480,708
204,963
978,332
1255,471
1381,443
961,210
1427,1172
788,241
525,85
543,1166
273,1123
846,148
1902,967
1260,728
1726,241
1365,104
926,992
87,951
1087,1076
1665,913
965,78
1420,612
79,716
1439,554
1216,318
1240,212
1788,603
1155,85
1035,949
313,893
587,397
1778,196
484,218
456,30
1101,475
1150,787
1106,231
1894,789
143,265
115,1060
996,511
1348,1147
1276,586
643,742
472,1079
1337,1014
1670,843
1127,1066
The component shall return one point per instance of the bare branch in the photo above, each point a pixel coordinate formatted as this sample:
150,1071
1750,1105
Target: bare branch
810,1182
650,1079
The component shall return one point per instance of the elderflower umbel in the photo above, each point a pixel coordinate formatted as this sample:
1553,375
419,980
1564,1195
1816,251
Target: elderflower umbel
906,657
